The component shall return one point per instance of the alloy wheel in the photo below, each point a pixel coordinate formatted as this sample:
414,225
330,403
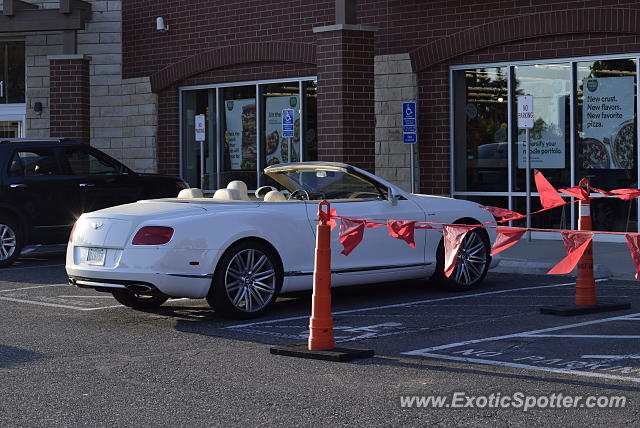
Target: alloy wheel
472,259
250,280
8,242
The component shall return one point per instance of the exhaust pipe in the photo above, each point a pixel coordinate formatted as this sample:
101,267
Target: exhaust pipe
139,288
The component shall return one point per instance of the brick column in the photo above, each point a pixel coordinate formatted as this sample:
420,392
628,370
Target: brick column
346,118
69,97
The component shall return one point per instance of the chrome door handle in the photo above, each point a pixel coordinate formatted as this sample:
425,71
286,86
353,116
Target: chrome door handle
18,186
87,185
1,88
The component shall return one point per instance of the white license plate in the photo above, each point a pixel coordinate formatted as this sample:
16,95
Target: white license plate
96,256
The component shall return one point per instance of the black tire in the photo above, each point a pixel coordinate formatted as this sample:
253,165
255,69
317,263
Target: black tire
11,240
247,280
137,301
474,247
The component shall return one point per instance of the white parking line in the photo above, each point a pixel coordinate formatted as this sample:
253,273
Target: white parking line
30,267
521,334
417,302
35,286
582,336
613,357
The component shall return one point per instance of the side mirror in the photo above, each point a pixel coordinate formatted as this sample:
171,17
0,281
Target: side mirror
393,198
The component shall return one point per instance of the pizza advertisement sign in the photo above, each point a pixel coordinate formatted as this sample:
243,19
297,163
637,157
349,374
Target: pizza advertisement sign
608,131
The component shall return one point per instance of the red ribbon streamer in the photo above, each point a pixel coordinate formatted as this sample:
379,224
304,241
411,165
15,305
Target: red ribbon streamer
403,230
507,237
633,242
577,192
351,234
626,194
453,237
549,196
503,213
575,243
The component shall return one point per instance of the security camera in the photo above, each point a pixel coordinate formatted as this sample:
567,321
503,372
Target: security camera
160,25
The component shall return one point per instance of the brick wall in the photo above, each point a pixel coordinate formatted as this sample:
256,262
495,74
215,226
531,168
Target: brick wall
69,98
403,28
346,120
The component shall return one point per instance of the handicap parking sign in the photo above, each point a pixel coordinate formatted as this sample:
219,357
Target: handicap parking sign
287,122
409,123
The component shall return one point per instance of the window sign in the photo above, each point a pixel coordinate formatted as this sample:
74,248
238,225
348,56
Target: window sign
200,127
282,129
608,123
547,133
241,133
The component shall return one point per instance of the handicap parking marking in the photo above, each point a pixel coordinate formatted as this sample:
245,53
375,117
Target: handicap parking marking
30,296
407,304
570,358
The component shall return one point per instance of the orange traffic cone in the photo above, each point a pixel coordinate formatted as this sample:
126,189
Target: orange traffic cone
321,322
585,282
320,344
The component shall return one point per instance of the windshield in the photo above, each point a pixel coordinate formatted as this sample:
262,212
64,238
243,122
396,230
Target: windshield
330,183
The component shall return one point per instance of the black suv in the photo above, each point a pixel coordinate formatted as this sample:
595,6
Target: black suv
45,184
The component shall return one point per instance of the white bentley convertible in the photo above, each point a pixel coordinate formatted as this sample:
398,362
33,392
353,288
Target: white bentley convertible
241,252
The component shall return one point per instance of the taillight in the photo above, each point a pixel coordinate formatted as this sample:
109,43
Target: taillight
153,235
73,229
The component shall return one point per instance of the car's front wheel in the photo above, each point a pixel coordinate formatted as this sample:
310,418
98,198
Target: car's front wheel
11,240
139,301
247,280
472,264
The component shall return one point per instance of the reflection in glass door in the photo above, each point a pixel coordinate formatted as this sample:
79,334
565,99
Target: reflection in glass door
12,73
10,129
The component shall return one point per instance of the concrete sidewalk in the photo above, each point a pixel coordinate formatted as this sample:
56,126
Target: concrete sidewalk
611,259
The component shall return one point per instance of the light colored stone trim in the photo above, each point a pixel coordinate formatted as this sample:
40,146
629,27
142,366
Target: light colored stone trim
395,83
338,27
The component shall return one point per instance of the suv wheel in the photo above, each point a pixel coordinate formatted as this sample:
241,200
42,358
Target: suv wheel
11,240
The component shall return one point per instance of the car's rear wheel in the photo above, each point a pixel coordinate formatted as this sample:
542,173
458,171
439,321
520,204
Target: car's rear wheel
139,301
472,264
11,240
247,280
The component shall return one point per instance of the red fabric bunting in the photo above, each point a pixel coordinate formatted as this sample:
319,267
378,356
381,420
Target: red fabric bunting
549,196
626,194
507,237
453,236
633,242
351,234
577,192
503,213
604,192
372,225
575,243
332,221
402,230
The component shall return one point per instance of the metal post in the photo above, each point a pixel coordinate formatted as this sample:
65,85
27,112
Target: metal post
202,173
413,168
528,179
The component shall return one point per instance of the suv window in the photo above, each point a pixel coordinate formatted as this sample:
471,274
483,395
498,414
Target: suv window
82,162
31,163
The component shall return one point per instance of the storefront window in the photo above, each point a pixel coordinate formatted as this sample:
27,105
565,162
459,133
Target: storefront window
12,73
588,130
277,97
199,172
550,138
244,132
607,147
481,129
239,124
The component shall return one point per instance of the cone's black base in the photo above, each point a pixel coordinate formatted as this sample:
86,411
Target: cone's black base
570,310
338,354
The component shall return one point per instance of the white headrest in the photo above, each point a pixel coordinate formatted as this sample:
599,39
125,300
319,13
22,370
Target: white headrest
226,195
274,196
241,187
194,192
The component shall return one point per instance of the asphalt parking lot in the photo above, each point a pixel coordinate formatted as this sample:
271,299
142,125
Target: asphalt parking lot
74,357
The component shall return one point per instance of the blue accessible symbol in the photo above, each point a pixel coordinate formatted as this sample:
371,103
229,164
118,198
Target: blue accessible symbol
409,123
287,123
